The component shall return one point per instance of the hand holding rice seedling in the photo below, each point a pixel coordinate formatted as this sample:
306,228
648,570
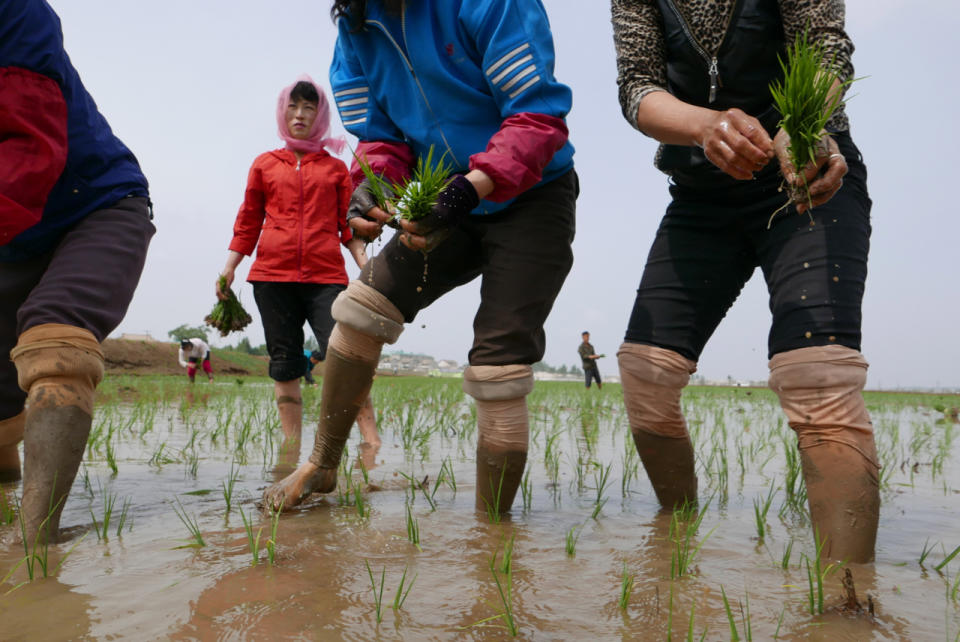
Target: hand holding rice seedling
432,200
227,315
806,98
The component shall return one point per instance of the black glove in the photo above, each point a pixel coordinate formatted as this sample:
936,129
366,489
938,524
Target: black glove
361,202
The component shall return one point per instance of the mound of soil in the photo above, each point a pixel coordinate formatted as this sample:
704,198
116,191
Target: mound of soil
154,357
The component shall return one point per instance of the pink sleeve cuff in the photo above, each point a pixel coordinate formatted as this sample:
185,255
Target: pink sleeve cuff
518,153
389,159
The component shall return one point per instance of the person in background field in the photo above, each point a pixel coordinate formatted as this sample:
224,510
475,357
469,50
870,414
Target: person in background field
313,358
74,231
294,214
589,357
192,352
696,77
474,80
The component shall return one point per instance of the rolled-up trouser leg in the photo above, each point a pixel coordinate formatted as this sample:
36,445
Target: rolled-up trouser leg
653,379
503,431
365,321
820,392
58,366
11,434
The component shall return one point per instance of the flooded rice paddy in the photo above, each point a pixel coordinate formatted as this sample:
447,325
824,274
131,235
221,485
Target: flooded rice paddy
398,552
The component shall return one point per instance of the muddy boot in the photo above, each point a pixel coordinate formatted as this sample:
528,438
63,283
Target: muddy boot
11,434
59,367
820,392
669,463
346,385
844,494
653,379
498,477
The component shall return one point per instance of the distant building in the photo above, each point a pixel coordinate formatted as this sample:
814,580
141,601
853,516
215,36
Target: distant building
127,336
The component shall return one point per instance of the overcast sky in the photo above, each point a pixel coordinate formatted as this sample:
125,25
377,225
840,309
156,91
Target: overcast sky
191,86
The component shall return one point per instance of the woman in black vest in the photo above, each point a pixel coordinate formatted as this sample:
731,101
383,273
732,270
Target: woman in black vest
695,76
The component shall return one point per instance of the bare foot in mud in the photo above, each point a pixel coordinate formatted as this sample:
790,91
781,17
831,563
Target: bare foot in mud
292,489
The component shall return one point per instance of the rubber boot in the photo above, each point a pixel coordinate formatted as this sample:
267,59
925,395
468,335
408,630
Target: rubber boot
669,463
499,474
844,494
11,434
59,367
346,385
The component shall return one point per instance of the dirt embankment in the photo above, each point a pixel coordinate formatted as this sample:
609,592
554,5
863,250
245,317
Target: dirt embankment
152,357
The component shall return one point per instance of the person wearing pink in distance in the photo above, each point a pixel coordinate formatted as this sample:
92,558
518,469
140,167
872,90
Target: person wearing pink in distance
294,215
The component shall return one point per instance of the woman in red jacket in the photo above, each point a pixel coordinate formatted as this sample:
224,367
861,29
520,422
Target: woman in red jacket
294,213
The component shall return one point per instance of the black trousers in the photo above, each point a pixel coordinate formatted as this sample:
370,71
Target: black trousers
522,255
710,242
284,308
87,281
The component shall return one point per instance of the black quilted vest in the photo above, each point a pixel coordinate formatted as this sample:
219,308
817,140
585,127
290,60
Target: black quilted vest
737,74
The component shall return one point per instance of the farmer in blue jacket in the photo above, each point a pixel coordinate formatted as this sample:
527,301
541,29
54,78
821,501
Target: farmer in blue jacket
473,80
74,229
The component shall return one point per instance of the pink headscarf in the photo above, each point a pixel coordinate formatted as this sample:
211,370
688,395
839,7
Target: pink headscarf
317,138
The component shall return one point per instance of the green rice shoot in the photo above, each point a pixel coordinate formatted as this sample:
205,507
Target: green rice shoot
803,99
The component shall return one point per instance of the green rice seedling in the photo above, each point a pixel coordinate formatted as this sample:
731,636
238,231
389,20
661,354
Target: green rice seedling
159,457
785,558
573,535
415,484
112,458
683,528
102,528
227,316
196,537
925,552
601,478
8,512
419,193
761,506
506,564
377,185
947,559
734,635
526,491
36,553
413,529
252,540
776,634
377,594
745,616
806,102
228,484
401,595
272,542
816,576
493,510
693,608
447,474
627,580
505,592
631,466
359,502
955,588
124,517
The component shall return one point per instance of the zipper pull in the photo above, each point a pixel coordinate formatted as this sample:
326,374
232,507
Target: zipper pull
714,79
298,160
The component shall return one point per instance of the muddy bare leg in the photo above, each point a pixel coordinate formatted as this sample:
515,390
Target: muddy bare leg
367,423
11,434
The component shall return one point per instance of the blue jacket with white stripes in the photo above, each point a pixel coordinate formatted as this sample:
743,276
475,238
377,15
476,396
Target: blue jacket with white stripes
448,73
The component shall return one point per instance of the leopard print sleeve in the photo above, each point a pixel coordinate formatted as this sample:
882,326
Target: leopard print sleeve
641,58
824,20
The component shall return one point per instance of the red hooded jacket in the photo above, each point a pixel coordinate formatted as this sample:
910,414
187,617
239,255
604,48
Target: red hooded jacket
295,214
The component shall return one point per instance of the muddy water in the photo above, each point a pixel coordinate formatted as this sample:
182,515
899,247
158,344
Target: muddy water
146,583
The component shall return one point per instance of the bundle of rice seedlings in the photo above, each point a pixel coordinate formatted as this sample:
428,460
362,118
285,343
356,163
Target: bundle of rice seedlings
416,194
227,316
805,104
